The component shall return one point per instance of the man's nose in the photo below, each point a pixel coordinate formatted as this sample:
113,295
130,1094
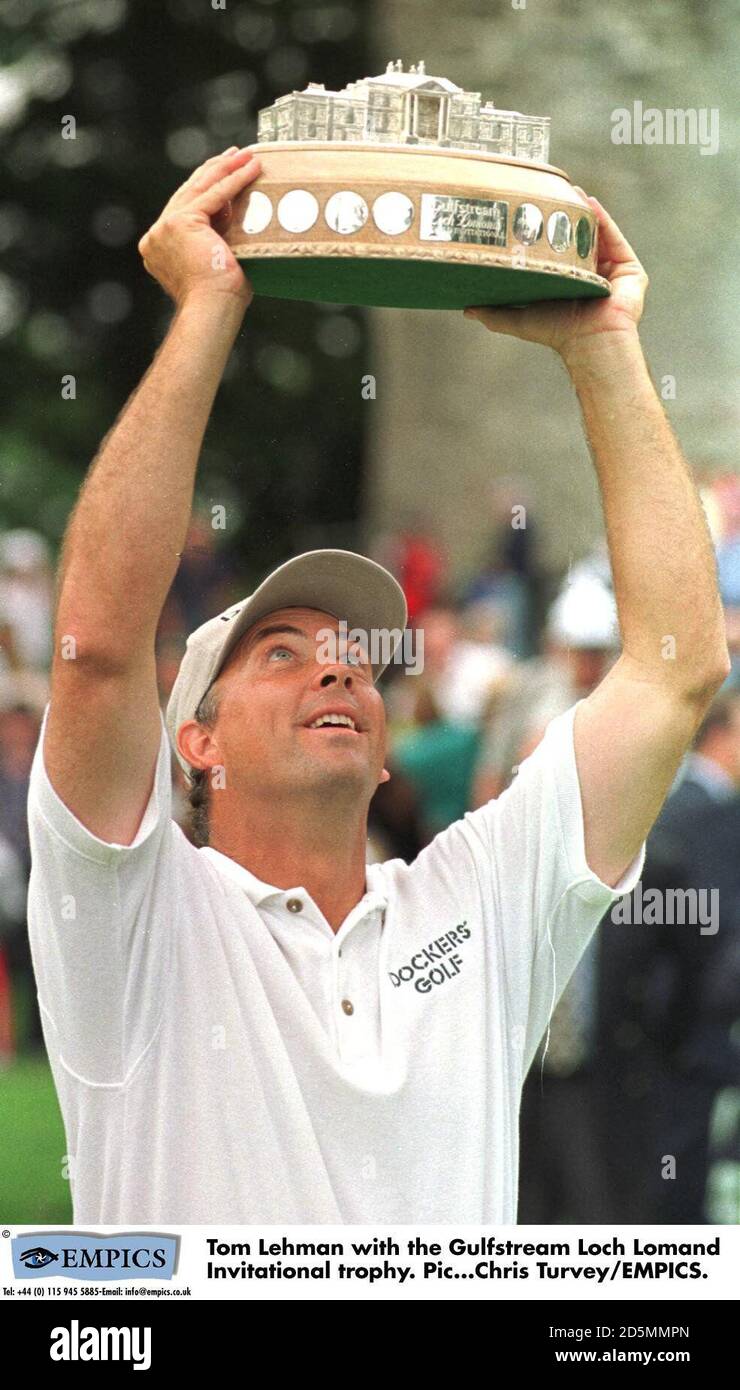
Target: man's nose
337,674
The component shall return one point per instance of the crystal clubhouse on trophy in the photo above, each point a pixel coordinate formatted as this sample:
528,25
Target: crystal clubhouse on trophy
405,191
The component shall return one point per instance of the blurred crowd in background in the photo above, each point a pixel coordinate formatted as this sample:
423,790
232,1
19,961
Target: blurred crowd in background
642,1065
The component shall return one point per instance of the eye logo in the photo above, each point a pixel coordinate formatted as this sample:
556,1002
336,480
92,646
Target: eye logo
38,1257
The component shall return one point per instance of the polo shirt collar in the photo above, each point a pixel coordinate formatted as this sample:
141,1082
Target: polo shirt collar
255,889
258,892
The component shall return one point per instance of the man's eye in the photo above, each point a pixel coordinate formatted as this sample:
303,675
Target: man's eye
279,651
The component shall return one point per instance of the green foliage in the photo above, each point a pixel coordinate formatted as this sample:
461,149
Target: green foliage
154,89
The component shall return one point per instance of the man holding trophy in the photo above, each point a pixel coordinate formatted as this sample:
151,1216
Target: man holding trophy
266,1029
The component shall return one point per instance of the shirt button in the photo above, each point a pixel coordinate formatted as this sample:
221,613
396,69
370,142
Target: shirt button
294,905
348,1006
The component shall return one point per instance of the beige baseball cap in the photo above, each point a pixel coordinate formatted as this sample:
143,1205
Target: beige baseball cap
349,587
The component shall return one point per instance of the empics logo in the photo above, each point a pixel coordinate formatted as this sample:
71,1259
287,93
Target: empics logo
76,1255
75,1343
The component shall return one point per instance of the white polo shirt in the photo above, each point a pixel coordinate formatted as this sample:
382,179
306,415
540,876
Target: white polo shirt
221,1055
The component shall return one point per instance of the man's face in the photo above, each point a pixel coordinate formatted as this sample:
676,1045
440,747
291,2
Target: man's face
273,689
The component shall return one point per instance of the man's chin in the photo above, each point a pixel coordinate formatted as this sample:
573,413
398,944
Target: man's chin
334,768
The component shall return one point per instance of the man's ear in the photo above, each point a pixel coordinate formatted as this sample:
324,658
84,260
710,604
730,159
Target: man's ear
197,745
385,776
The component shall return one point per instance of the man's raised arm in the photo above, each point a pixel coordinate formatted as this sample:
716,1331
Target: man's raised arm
632,731
123,542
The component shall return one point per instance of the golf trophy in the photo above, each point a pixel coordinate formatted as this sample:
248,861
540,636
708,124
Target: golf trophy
405,191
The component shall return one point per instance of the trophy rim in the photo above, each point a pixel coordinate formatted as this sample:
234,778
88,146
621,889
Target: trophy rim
272,267
388,146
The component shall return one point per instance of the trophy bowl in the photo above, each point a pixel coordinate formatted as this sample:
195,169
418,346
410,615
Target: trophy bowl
403,191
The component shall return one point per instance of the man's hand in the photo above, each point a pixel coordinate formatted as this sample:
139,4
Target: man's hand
184,250
568,327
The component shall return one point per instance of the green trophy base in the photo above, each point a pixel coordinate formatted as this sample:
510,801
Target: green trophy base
409,284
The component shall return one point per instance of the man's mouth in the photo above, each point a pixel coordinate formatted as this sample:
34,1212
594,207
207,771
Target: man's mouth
334,721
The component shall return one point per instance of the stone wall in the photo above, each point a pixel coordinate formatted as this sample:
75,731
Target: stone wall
457,407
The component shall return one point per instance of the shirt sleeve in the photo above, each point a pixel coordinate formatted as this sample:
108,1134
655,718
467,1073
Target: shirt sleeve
100,928
547,901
